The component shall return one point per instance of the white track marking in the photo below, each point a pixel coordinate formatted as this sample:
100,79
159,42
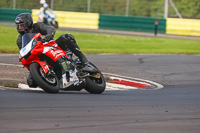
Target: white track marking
26,87
4,64
110,86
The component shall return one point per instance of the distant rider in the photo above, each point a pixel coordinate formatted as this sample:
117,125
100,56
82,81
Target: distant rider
42,12
66,42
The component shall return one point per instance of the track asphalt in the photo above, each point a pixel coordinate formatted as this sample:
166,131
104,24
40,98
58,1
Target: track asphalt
175,108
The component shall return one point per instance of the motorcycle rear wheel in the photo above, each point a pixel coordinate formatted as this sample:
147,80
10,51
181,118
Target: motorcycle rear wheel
49,86
95,85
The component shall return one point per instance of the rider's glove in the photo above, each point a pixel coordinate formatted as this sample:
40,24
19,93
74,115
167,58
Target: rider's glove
48,37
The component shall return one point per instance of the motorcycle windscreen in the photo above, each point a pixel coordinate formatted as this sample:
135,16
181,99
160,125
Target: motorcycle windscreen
27,43
26,38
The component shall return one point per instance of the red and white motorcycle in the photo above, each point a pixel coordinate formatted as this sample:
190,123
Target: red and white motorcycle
39,58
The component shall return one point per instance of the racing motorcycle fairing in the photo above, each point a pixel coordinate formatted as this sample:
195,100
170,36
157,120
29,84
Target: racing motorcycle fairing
29,43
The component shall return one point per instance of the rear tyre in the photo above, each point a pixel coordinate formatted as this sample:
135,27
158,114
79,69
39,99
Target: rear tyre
49,84
95,85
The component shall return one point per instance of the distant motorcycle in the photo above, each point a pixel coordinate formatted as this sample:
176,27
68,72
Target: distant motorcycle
49,19
45,74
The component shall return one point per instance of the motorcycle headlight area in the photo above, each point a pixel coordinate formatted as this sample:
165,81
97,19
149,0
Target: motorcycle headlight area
24,51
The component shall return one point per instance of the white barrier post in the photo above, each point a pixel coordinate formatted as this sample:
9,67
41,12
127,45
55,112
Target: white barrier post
88,5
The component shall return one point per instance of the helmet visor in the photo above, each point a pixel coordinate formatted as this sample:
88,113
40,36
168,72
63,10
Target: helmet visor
21,27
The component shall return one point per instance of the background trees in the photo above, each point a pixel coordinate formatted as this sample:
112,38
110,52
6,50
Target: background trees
150,8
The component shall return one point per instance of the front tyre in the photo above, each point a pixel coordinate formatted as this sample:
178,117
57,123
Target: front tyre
49,84
95,85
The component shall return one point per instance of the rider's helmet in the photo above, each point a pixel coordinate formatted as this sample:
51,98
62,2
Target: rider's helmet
46,6
24,22
42,1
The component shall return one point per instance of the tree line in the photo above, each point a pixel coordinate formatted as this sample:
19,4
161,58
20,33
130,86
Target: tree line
149,8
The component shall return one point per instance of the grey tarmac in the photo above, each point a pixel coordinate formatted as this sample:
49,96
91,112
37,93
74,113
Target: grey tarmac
175,108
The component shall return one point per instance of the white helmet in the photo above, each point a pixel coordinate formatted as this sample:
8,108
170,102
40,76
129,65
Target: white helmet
42,1
46,6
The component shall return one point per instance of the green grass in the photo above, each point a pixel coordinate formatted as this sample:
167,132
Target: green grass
93,43
13,85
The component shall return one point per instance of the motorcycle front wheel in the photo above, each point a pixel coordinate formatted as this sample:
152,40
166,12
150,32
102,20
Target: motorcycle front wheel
49,83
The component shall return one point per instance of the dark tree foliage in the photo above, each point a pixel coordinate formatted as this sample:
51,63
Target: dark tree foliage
150,8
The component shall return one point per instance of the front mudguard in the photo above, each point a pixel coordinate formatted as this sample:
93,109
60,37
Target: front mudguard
50,86
43,65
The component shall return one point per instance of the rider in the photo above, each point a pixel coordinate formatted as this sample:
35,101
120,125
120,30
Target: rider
42,12
25,24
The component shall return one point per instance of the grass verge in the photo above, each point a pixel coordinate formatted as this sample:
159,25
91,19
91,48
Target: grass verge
94,43
12,85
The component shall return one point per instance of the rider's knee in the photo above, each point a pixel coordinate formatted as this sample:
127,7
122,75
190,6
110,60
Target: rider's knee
69,38
66,41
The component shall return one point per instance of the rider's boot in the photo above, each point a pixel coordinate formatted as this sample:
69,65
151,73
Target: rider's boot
86,66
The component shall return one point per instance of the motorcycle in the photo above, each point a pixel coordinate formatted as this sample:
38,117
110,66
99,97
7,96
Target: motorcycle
49,18
39,58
